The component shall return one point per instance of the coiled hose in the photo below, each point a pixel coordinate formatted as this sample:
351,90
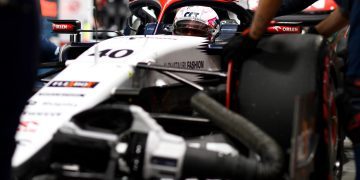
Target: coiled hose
226,166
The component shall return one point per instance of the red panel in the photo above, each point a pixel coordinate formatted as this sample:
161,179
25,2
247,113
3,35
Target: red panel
322,5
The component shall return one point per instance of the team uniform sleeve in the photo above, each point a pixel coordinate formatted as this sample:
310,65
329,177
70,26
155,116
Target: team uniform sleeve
344,5
293,6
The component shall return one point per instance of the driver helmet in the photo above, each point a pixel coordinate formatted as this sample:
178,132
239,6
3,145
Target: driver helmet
196,21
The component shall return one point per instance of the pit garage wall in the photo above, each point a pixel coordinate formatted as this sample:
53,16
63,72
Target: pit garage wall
49,10
81,10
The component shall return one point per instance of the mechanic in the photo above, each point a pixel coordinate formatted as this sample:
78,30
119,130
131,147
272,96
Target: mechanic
196,21
243,46
49,52
19,50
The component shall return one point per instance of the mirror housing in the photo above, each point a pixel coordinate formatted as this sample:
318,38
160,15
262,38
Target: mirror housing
72,27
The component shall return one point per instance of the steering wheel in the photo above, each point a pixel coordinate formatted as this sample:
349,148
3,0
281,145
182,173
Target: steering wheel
136,9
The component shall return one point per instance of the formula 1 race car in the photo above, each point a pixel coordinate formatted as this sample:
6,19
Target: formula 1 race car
134,107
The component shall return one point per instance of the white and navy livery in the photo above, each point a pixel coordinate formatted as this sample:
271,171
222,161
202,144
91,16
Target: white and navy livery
89,80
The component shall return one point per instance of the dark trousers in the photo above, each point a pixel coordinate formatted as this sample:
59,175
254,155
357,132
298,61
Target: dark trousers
352,76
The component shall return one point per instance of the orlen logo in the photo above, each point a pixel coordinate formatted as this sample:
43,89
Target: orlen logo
277,28
284,29
62,27
73,84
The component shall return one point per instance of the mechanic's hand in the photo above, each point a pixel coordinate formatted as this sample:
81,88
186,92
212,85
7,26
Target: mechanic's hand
240,47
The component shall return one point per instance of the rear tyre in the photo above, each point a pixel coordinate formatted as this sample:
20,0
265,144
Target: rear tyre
281,90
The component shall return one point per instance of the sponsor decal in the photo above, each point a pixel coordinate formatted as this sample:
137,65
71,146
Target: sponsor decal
66,26
59,104
277,28
52,103
62,94
27,126
31,102
191,14
284,29
161,37
213,22
73,84
186,64
52,114
63,27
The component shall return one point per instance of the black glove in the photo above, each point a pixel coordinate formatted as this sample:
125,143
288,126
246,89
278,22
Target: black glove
240,47
312,30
